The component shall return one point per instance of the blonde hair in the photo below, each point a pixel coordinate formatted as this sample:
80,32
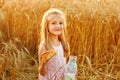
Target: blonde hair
44,30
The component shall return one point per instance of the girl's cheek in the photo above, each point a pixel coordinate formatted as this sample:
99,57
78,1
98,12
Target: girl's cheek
63,27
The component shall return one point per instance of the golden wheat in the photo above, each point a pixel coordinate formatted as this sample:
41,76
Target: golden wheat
95,37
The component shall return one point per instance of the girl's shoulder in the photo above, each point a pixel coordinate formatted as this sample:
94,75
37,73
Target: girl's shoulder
41,47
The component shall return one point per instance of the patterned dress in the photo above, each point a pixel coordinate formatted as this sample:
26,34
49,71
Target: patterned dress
55,66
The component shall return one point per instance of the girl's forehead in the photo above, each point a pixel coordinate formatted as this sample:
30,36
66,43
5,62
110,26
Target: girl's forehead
55,17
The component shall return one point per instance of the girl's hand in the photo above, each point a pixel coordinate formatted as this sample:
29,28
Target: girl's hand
47,55
76,75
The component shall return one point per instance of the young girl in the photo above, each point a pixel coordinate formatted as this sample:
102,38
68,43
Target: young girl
53,38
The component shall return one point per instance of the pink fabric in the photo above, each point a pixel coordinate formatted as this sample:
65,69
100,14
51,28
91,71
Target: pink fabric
55,66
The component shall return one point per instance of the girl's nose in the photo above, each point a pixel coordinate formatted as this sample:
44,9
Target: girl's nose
58,25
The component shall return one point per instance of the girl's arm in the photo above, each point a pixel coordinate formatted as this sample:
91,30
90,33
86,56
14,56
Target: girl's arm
41,51
44,56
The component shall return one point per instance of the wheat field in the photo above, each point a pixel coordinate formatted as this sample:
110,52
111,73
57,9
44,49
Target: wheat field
93,32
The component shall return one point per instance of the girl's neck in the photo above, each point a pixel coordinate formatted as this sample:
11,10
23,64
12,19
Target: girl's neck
54,40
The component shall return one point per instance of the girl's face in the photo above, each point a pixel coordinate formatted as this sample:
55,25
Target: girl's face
56,25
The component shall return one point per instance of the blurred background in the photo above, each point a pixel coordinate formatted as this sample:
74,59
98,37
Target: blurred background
93,29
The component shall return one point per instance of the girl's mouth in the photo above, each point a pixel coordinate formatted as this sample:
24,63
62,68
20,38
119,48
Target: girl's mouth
59,29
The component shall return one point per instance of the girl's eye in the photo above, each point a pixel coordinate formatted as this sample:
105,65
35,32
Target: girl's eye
60,23
53,23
